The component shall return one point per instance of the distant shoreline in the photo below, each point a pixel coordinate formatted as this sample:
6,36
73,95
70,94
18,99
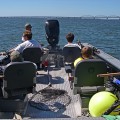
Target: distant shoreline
81,17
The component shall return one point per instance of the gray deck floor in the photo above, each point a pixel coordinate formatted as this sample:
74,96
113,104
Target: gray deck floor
59,80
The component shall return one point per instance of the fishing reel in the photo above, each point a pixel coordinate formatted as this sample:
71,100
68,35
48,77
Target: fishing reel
113,85
95,50
4,57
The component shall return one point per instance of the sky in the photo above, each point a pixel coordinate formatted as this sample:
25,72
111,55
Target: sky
62,8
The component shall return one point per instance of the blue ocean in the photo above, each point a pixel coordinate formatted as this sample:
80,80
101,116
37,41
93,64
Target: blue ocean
102,33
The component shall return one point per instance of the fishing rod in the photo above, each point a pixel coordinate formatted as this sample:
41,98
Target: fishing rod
111,77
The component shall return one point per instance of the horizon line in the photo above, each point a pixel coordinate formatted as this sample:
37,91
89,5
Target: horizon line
65,16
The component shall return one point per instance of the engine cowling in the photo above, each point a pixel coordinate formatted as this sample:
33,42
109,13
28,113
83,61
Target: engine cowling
52,32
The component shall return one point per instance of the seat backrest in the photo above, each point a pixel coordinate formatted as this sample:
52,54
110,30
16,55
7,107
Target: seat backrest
86,73
32,54
71,53
19,78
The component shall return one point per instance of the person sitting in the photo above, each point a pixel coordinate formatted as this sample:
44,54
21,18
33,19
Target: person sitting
28,43
86,54
15,56
70,38
28,27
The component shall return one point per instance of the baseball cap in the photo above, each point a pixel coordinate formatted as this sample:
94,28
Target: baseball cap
28,25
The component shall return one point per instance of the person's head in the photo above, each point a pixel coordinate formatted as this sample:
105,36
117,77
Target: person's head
27,35
70,37
28,27
15,56
86,52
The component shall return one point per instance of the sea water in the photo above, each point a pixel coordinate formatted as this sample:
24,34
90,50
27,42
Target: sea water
102,33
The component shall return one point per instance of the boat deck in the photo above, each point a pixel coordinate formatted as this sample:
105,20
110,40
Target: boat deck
59,80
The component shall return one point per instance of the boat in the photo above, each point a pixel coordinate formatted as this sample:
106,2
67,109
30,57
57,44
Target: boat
55,96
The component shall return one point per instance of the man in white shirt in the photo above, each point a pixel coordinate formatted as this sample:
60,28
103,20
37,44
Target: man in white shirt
28,42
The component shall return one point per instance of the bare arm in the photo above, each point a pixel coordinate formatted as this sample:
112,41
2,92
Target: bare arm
109,74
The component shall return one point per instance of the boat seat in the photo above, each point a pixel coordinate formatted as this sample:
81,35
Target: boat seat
86,82
33,54
19,80
70,53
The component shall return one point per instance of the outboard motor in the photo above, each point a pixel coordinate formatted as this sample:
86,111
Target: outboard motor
52,32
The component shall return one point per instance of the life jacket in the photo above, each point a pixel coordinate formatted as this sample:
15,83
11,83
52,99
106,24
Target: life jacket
77,60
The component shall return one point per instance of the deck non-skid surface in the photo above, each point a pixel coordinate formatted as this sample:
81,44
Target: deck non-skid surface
59,80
